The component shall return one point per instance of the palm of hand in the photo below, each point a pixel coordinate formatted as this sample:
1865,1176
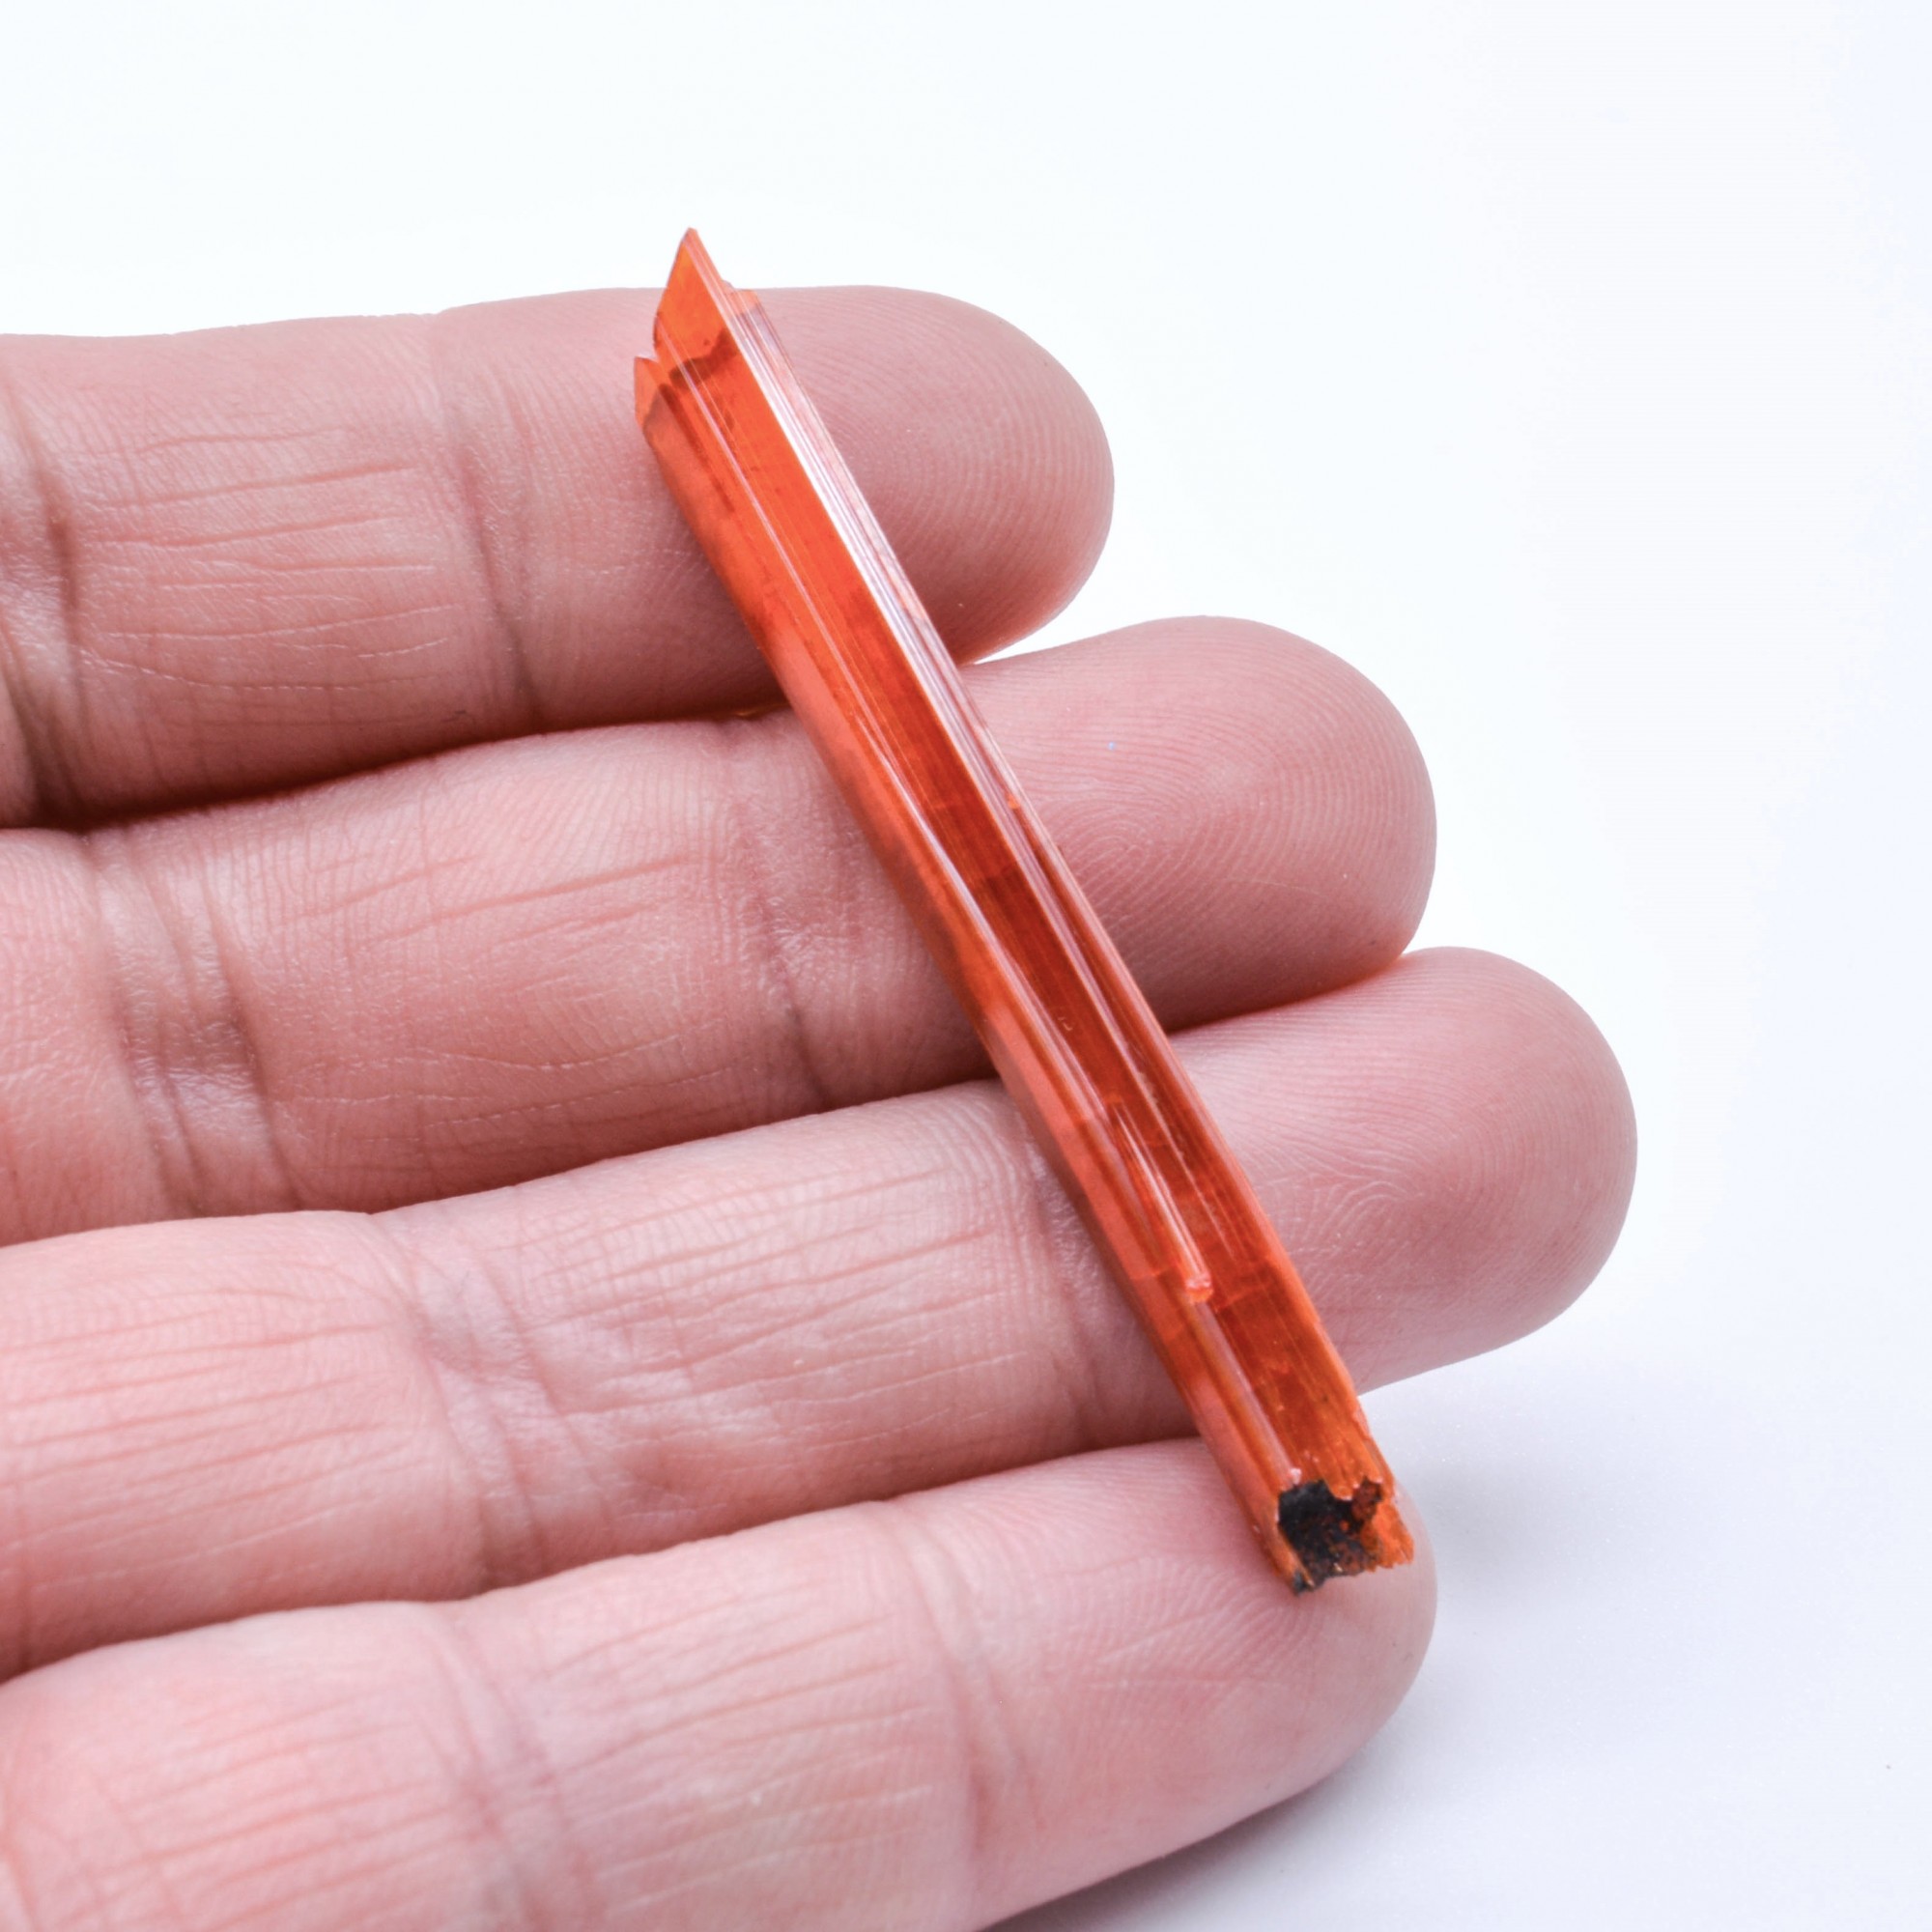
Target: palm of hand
605,1171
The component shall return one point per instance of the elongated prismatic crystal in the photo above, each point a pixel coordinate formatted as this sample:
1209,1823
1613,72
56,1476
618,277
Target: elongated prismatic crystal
778,513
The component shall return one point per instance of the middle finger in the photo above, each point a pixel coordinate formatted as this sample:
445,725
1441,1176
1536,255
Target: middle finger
511,961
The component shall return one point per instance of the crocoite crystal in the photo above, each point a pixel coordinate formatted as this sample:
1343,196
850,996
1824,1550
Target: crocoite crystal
778,513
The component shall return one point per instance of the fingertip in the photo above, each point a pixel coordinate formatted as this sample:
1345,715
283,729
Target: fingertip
984,458
1577,1153
1358,790
1536,1177
1300,829
1189,1686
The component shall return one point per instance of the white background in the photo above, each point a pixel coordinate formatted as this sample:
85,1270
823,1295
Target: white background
1565,367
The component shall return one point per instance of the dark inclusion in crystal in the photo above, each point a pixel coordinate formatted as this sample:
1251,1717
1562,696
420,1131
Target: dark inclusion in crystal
1324,1530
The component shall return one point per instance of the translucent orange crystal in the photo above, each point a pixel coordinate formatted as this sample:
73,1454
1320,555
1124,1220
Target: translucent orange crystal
777,511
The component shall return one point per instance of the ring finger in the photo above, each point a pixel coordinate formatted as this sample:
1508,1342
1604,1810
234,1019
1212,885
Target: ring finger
208,1419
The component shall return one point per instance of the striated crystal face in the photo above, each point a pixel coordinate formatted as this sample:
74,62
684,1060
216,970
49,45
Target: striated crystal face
778,513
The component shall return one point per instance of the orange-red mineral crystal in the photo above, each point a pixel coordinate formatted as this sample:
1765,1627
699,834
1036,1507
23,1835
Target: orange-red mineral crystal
777,511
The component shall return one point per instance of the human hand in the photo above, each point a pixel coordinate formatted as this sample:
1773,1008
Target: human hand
757,1510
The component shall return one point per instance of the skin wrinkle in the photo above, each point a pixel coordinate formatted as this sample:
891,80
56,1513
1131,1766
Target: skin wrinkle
216,1428
436,939
420,1320
21,1638
447,784
761,899
669,1501
664,1487
527,711
1013,1167
220,541
311,1828
123,1005
983,1751
51,902
154,1081
161,992
860,1275
843,1695
552,889
144,1494
729,1230
455,1113
703,1365
493,1375
47,780
101,1793
176,677
20,786
231,978
521,1762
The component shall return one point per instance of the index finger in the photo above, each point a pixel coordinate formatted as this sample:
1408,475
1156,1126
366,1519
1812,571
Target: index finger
253,557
